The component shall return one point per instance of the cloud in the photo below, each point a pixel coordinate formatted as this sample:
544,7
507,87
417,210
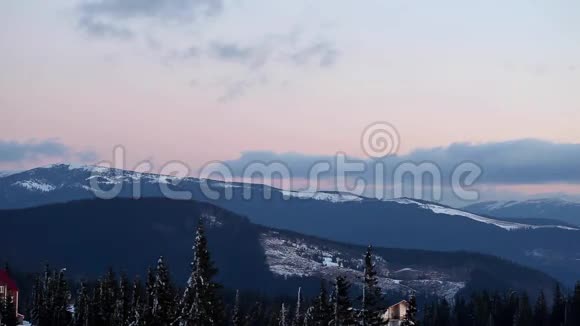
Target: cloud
104,30
166,9
20,152
279,48
526,161
238,88
272,50
231,51
112,18
165,27
324,53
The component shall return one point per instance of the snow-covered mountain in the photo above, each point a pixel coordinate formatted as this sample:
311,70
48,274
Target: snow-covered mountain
401,223
67,178
88,236
555,209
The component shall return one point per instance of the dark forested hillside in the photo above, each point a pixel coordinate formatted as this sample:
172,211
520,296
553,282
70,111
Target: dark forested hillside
130,235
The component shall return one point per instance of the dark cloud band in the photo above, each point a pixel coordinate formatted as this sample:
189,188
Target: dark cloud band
527,161
21,152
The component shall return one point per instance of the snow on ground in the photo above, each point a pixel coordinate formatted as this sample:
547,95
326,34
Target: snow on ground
7,173
212,220
35,185
500,204
325,196
293,257
437,209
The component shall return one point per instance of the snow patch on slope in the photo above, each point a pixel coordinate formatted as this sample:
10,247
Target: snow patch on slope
325,196
35,185
294,257
437,209
7,173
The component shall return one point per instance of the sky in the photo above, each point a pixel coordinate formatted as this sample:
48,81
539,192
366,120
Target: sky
202,80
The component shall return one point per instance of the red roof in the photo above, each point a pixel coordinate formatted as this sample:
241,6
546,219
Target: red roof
6,280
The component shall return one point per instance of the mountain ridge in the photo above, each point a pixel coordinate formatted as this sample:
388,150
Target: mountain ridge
401,223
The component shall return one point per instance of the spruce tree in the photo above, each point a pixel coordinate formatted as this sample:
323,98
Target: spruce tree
60,300
236,313
46,317
105,299
558,308
81,316
38,302
201,304
321,309
443,313
342,310
429,316
372,299
255,315
146,316
410,317
136,302
461,313
163,310
298,317
309,317
122,303
9,312
282,318
524,315
574,315
541,311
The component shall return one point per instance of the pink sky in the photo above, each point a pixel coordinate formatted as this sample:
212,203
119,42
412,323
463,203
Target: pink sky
439,73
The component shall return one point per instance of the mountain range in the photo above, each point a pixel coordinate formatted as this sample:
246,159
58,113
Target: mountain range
400,223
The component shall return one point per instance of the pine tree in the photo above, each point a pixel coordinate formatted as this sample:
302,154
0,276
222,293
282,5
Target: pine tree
81,317
163,309
574,314
309,317
105,299
38,302
9,312
137,306
443,313
101,303
558,308
321,310
236,314
541,311
342,314
201,304
255,315
60,300
410,318
524,315
123,302
146,316
282,318
48,290
298,317
461,313
372,298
